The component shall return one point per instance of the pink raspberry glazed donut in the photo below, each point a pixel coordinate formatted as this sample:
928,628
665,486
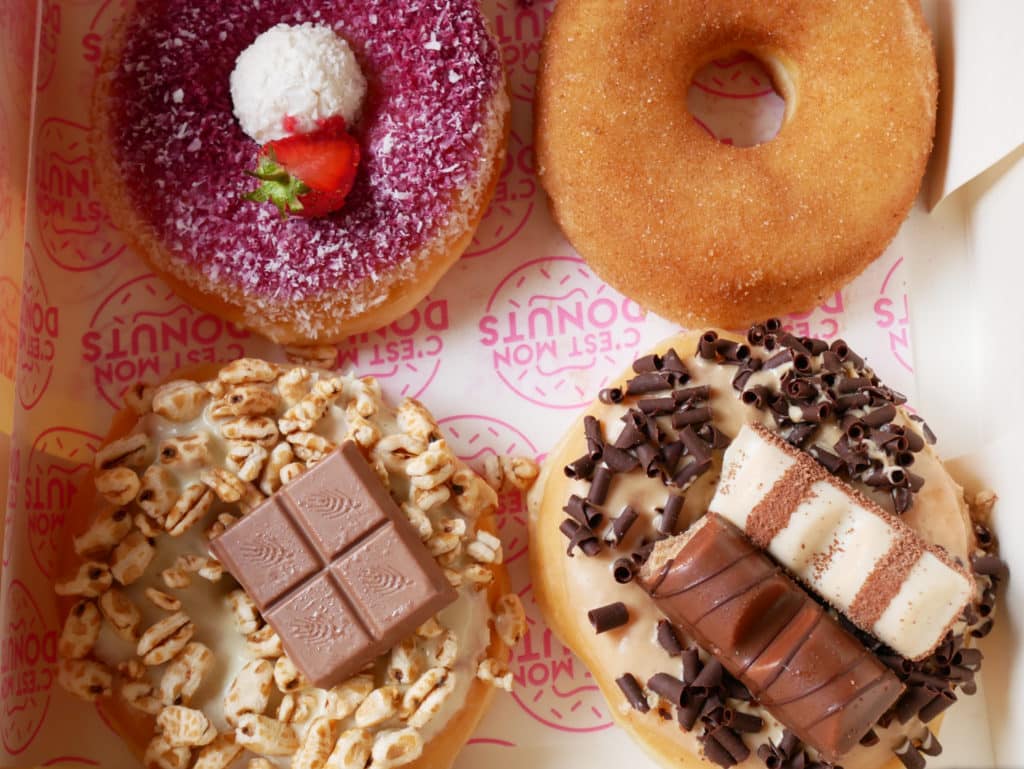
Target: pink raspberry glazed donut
424,108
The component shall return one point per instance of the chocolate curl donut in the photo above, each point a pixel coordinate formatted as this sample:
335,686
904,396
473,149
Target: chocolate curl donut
795,659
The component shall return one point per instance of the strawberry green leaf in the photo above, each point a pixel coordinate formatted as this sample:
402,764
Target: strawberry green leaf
277,186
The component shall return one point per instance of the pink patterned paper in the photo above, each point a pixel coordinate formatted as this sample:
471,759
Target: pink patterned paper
507,348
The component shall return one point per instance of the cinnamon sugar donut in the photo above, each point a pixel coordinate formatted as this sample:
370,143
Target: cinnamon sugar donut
703,232
639,447
127,572
172,161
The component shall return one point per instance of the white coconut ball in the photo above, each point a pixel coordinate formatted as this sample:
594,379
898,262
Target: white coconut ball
293,76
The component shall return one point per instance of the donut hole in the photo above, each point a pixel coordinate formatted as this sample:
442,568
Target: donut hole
734,98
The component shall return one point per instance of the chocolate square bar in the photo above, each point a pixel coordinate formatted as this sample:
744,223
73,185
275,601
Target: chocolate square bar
335,568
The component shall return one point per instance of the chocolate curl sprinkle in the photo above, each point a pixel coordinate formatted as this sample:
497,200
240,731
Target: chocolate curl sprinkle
827,459
649,457
710,676
691,665
712,436
621,524
692,416
651,382
852,385
657,406
608,617
792,342
623,570
598,492
647,364
618,461
801,434
909,756
930,745
584,512
756,334
581,469
695,447
731,352
690,472
670,515
595,440
723,746
912,701
706,347
581,537
968,658
869,739
669,641
610,395
902,499
690,394
632,692
880,416
747,370
988,564
715,752
744,723
781,358
669,687
671,454
757,396
928,434
851,401
943,700
630,436
673,364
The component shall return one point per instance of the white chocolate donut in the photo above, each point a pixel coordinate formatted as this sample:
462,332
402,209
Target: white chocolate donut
566,588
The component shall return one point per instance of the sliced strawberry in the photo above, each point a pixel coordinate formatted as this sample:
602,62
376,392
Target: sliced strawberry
310,174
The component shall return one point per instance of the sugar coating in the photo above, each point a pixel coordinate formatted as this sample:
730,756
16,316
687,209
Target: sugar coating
432,68
292,77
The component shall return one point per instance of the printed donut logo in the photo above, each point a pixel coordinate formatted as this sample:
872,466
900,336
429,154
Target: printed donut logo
28,669
10,298
73,224
405,355
40,325
892,315
559,346
58,463
519,28
473,438
17,36
513,200
50,26
100,29
822,322
143,331
552,685
734,101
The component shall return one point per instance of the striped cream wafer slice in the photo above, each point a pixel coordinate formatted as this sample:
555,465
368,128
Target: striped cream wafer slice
864,561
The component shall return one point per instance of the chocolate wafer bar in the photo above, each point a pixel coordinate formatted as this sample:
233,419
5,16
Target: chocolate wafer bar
335,568
867,563
794,657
